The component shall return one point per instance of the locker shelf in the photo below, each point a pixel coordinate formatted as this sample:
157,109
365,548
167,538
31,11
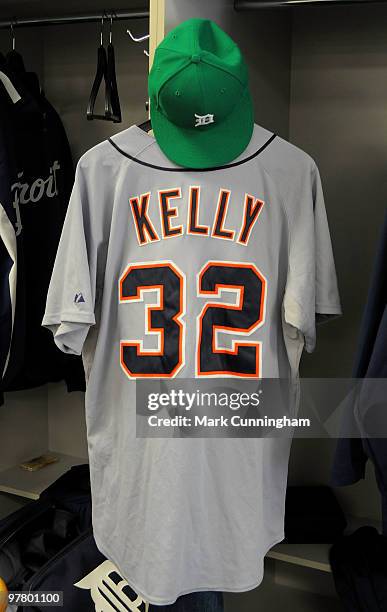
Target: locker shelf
21,482
315,556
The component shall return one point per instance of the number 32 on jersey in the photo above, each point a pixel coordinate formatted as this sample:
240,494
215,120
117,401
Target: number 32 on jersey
164,319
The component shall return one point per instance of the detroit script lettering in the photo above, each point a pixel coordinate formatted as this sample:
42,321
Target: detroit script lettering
31,193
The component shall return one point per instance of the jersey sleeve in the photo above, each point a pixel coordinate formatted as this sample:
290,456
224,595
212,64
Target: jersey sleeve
70,301
8,276
8,251
311,293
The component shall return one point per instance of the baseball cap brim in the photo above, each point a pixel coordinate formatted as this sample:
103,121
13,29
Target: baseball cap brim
206,146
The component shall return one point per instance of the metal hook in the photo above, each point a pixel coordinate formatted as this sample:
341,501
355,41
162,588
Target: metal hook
139,39
101,34
111,28
13,37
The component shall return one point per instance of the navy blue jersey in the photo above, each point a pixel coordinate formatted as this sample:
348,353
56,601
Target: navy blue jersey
40,177
8,248
371,362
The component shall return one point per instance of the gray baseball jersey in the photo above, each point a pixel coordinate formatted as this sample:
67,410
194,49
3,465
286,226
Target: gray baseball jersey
147,253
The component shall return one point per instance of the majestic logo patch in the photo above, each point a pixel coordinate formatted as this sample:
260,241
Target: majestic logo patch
78,298
110,591
204,119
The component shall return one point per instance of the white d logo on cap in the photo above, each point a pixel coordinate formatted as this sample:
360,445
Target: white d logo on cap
204,119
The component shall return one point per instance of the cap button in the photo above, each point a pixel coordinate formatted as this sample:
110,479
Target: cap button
195,58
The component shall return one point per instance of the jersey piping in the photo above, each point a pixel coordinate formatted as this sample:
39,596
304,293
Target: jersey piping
232,165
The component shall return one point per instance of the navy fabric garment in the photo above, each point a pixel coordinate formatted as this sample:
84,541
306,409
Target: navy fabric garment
359,568
208,601
371,362
37,164
48,545
8,255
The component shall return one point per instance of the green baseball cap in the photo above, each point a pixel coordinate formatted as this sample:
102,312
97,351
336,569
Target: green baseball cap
200,104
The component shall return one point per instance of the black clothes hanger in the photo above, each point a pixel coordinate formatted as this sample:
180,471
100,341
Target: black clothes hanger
14,60
105,72
100,74
16,70
112,79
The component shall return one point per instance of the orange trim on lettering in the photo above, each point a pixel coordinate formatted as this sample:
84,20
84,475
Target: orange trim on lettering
173,193
238,306
229,233
258,204
196,216
134,202
149,329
